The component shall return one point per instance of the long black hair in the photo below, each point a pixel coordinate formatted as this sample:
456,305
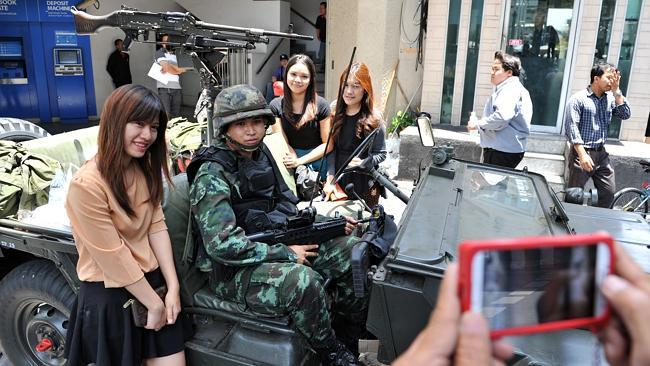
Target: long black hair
308,111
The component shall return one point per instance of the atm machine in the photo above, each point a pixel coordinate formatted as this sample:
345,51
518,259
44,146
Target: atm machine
45,69
12,61
18,97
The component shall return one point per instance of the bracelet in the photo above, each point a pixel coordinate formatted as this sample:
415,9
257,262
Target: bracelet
618,93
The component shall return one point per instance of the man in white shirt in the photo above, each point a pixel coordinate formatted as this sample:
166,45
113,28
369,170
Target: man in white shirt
505,125
170,93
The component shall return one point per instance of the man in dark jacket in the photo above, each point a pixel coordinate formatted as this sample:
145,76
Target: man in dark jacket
118,65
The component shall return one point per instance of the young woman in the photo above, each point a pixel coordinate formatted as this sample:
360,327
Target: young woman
303,116
353,121
114,205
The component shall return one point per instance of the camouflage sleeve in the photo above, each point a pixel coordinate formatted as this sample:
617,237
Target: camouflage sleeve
224,241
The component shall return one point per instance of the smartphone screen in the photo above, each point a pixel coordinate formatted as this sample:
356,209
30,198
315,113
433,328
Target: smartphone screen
525,287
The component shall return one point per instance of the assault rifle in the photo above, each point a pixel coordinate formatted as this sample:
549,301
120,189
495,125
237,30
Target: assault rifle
302,229
187,34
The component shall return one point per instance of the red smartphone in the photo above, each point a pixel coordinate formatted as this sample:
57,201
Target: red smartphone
537,284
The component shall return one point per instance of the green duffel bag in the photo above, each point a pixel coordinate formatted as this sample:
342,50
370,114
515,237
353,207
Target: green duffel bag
24,178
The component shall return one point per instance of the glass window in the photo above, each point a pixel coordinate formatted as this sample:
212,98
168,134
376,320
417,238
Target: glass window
627,52
450,62
539,35
475,23
604,29
503,204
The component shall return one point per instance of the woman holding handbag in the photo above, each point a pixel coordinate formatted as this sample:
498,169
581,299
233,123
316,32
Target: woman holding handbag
125,256
355,119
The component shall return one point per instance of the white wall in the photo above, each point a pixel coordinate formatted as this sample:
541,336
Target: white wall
409,78
268,15
141,55
310,9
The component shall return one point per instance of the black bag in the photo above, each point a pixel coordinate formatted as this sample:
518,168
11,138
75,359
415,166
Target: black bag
139,311
306,182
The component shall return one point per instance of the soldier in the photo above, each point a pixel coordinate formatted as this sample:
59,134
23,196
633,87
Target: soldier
237,189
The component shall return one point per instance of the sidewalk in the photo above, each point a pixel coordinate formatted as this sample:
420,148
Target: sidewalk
624,155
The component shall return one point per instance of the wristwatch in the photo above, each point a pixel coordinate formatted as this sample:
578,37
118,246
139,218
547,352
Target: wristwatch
618,93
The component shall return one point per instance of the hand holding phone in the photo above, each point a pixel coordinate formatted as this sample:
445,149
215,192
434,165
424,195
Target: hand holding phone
626,339
537,284
454,338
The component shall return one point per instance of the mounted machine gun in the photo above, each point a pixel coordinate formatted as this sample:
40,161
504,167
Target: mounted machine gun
187,34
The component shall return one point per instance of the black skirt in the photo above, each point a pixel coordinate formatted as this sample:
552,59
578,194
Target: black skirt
101,330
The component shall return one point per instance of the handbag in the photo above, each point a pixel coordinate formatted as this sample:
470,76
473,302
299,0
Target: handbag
306,182
139,311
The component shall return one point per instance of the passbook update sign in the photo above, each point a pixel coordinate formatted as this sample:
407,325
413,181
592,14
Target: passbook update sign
36,10
9,7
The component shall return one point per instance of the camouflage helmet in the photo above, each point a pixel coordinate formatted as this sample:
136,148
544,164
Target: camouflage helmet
239,102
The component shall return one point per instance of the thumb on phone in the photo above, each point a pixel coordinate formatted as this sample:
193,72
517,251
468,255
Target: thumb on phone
474,346
631,304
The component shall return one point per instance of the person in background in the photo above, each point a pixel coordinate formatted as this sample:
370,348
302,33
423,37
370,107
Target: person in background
278,76
303,116
118,65
114,206
587,117
355,119
505,125
321,33
553,40
170,94
464,339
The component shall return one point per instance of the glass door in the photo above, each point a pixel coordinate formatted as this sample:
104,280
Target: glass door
540,33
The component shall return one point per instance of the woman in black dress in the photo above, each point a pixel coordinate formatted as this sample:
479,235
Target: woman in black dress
355,119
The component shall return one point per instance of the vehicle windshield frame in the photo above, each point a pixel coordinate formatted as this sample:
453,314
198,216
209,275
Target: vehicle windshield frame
551,212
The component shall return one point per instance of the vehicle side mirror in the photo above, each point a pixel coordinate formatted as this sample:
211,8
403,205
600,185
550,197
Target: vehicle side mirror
425,130
579,196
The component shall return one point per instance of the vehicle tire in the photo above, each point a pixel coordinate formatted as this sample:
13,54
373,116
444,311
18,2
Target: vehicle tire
36,306
17,130
631,200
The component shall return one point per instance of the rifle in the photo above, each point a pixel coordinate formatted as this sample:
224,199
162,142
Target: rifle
198,39
302,229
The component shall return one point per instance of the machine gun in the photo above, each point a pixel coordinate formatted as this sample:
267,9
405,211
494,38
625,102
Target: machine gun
187,34
302,229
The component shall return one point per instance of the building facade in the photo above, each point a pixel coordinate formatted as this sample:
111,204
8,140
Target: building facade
557,40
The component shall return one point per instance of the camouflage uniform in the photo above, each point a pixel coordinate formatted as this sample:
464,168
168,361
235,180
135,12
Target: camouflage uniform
266,278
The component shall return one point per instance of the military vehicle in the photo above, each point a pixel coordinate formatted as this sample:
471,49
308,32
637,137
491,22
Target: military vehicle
453,200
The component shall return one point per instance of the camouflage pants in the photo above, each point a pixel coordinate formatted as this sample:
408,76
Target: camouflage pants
296,290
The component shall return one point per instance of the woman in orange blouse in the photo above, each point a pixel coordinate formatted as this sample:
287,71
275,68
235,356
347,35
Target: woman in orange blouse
114,205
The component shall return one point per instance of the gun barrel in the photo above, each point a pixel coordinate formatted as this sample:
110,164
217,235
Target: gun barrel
252,31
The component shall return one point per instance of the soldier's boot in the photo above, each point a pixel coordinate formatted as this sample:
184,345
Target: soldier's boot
351,328
335,353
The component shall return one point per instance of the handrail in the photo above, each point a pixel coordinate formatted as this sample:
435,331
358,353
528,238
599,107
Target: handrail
275,48
303,17
268,57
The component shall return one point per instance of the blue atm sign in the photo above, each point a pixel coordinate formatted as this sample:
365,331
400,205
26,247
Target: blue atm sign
36,10
13,10
51,9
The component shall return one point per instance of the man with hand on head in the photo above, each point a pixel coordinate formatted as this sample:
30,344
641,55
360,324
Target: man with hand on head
587,118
